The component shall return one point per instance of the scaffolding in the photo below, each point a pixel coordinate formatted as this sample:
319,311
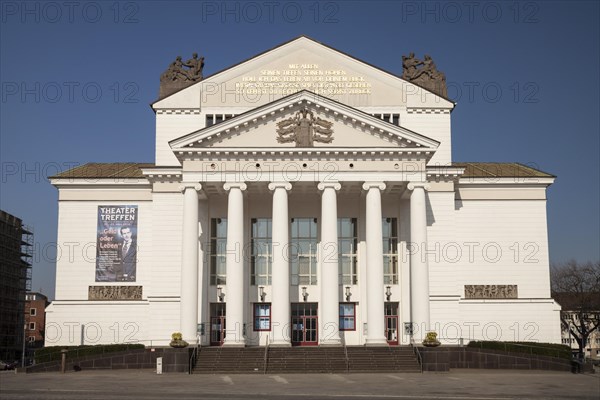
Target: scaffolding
16,259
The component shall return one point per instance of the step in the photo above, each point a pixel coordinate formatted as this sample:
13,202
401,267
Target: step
306,359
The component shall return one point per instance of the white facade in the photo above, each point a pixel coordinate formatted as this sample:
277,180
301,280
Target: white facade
448,226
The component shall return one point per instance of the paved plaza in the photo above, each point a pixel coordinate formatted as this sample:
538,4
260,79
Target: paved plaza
455,385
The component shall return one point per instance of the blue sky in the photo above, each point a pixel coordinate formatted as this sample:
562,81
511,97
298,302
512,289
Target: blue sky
77,79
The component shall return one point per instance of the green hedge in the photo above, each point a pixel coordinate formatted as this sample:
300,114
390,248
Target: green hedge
543,349
53,353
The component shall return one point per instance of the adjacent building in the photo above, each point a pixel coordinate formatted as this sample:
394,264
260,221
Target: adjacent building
16,250
592,348
35,321
303,197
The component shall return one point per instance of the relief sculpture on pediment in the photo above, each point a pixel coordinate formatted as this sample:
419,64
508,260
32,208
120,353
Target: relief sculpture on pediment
304,129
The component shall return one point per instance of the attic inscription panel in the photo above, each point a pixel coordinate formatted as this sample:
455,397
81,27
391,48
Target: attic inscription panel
298,77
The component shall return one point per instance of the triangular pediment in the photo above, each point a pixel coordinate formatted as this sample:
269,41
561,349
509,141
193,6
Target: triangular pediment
303,64
304,121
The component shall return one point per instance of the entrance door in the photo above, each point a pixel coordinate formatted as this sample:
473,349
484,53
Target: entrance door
217,324
391,322
304,324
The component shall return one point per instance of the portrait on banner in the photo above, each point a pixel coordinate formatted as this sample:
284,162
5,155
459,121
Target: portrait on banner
116,243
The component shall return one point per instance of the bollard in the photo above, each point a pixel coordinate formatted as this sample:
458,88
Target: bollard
63,362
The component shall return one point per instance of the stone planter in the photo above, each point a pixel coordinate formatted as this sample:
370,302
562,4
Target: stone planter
178,343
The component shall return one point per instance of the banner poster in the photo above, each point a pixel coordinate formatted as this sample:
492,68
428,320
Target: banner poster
116,244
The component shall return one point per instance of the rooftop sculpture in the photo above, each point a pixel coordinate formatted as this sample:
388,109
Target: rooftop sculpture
181,74
424,73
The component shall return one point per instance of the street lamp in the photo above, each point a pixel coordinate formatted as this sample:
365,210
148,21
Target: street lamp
304,294
220,294
262,293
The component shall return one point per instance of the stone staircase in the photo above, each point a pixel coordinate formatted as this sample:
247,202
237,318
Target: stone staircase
241,360
216,360
382,359
306,360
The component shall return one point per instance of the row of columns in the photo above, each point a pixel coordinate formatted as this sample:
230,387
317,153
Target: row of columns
281,308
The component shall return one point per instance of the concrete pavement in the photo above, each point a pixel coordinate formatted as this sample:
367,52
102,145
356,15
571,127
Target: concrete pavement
455,385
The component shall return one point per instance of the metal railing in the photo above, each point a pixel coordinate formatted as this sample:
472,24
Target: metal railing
346,354
506,347
418,354
193,358
266,357
84,351
452,341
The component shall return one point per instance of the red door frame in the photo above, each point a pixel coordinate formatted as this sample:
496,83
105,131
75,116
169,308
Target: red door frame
389,333
305,331
305,320
391,320
219,320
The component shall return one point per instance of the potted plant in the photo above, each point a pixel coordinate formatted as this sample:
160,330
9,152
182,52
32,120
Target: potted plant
177,340
431,340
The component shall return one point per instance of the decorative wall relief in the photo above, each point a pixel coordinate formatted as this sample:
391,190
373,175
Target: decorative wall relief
115,293
491,292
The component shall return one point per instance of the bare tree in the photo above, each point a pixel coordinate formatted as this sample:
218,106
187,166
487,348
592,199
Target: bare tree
576,287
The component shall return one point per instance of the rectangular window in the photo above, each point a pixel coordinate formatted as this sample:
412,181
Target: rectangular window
32,312
213,119
347,316
347,242
390,251
261,259
32,326
303,251
218,247
31,339
391,118
262,316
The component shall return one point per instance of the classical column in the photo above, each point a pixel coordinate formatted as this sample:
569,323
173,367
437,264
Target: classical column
280,278
188,302
234,296
374,237
329,333
419,266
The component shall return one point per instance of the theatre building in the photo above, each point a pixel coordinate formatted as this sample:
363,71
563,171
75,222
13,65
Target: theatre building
302,197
